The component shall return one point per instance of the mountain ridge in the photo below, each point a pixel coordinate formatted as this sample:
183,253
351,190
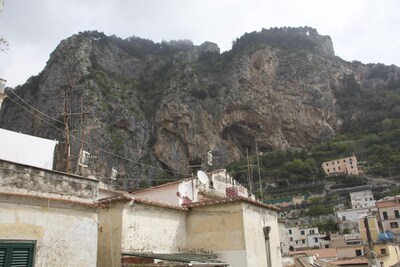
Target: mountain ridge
167,104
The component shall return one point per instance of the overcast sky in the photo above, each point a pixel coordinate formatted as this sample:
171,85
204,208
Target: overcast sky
364,30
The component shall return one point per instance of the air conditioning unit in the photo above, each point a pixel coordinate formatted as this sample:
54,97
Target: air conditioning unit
114,174
84,158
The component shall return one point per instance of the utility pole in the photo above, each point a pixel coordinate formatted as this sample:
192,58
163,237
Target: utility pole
78,169
259,172
258,165
67,145
250,173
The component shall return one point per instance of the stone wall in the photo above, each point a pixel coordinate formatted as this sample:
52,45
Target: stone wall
22,179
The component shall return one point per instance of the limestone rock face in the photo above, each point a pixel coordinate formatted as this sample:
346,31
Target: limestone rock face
141,107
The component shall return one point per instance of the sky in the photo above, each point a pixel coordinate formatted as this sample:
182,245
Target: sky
363,30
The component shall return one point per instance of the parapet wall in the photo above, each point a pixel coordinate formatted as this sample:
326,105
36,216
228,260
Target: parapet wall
23,179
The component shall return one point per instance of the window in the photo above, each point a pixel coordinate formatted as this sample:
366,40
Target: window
383,251
326,246
327,170
303,241
312,232
290,231
338,168
334,169
344,160
385,216
297,242
352,167
358,252
338,162
291,239
327,164
302,232
316,239
394,225
343,218
396,214
333,163
16,254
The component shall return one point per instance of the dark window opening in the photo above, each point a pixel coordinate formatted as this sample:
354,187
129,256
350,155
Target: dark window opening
385,216
16,254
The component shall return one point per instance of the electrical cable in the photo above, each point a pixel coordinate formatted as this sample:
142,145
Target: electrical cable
44,114
90,145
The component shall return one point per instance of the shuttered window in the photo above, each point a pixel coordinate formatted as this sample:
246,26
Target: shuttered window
16,254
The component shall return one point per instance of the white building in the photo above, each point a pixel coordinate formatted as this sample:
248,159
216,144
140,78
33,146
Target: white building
362,199
213,214
303,238
238,231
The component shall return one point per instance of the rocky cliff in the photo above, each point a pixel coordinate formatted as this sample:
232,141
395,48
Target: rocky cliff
140,106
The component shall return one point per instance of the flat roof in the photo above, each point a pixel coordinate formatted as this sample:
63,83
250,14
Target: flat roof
230,200
203,258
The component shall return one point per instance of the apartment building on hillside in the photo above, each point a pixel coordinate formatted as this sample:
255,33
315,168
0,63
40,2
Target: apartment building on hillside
389,214
303,238
341,166
362,199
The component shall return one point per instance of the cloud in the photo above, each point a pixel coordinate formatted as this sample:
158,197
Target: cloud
363,30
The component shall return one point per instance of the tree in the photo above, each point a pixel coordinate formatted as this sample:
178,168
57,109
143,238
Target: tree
3,44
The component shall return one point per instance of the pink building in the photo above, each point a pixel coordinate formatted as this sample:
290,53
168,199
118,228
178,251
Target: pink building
341,166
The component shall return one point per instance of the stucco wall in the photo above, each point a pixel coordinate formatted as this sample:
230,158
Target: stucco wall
218,228
109,235
64,237
148,228
392,255
255,219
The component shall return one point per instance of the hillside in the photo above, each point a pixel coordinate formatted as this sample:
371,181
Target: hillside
150,106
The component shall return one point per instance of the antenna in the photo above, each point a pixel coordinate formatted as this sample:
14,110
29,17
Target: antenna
202,176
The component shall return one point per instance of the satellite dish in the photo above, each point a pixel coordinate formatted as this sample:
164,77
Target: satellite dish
203,178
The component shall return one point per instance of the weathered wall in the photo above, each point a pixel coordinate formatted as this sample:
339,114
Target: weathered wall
218,228
255,218
17,178
392,255
64,237
109,235
148,228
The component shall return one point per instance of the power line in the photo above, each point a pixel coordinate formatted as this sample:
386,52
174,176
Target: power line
90,145
44,114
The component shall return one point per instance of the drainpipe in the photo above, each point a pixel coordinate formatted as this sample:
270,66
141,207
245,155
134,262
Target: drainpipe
267,231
